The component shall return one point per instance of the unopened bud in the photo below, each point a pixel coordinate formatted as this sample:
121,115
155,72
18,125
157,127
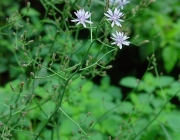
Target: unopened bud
144,42
109,67
1,124
11,107
90,57
13,89
87,62
28,5
54,55
21,87
88,114
79,131
32,75
89,3
31,41
151,1
91,123
83,77
103,73
150,68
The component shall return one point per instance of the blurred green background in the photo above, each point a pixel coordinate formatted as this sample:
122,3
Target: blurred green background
116,109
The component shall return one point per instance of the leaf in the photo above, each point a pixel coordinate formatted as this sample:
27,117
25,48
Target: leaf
165,131
166,80
105,82
149,84
170,57
3,65
141,102
130,82
150,79
110,124
174,121
115,92
125,107
30,12
87,87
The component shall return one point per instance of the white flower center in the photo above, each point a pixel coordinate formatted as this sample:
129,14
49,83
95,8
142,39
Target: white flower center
115,17
82,19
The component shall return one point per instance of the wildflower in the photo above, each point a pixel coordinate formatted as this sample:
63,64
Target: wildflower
114,17
120,39
120,3
82,17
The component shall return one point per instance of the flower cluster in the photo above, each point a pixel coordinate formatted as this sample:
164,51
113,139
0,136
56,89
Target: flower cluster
113,16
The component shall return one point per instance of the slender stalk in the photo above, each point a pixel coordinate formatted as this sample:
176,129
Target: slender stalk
155,116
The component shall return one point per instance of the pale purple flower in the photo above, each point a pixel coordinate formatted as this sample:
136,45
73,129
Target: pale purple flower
114,17
120,3
120,39
82,17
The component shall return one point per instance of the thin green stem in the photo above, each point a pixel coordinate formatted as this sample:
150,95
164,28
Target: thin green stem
155,116
123,100
76,124
95,63
159,79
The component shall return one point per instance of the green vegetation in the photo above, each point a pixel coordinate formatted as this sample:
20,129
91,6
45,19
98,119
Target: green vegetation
50,70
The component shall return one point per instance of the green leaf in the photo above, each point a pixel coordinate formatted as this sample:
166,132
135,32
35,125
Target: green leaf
165,131
110,124
149,84
170,57
166,80
174,121
115,92
30,12
105,82
150,79
141,102
3,65
130,82
87,87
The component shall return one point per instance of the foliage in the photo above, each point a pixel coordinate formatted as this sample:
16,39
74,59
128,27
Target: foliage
47,66
159,25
